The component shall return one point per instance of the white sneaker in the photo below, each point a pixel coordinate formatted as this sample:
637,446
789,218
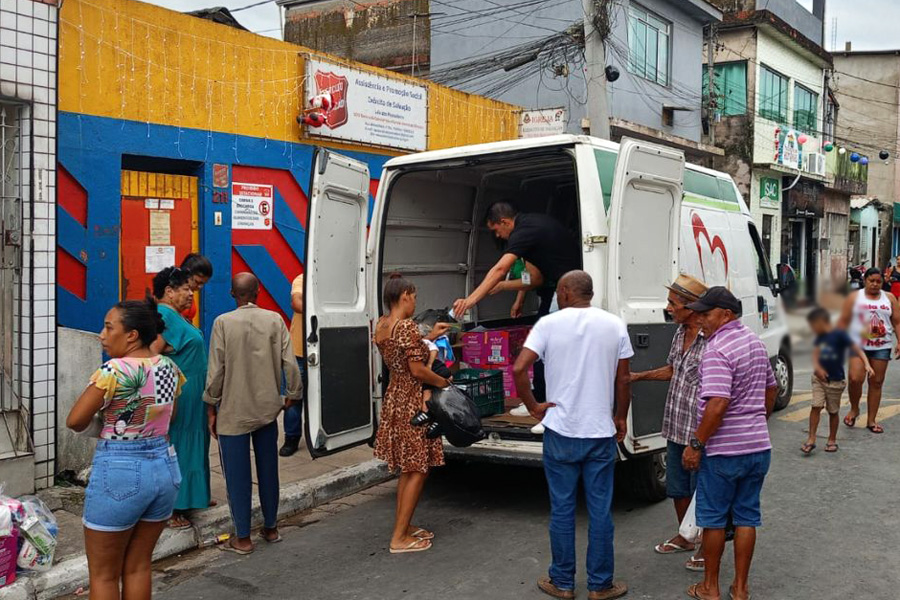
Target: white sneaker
538,429
519,411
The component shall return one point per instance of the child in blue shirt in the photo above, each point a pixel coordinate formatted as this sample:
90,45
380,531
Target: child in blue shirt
829,378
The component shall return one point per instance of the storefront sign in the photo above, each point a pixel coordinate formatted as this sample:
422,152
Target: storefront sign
546,121
805,201
769,192
787,149
251,206
369,108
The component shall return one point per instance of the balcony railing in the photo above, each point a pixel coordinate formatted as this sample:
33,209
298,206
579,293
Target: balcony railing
849,177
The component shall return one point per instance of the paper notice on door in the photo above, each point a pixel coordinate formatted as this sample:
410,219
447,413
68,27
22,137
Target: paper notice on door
166,204
151,203
157,258
160,228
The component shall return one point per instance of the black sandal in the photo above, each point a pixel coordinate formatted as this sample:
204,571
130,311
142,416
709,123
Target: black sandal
420,419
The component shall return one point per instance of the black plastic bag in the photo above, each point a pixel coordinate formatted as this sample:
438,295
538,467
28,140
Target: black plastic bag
456,415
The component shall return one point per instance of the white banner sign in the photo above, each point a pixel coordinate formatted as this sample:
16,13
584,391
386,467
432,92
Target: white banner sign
252,206
546,121
368,108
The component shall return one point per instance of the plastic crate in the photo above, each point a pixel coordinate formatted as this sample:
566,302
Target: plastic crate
485,387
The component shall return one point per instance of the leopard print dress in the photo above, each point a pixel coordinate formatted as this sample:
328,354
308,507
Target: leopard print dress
398,443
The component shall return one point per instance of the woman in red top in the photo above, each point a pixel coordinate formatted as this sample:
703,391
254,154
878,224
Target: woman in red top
200,270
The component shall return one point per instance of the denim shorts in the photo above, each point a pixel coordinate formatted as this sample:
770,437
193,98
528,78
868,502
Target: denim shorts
883,354
131,481
680,483
731,484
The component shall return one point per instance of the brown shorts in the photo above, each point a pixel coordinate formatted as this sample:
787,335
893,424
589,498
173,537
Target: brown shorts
827,394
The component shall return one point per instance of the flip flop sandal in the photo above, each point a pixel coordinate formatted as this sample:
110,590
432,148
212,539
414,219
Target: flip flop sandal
694,592
831,447
876,429
731,593
668,547
413,547
185,524
270,541
850,422
697,565
807,449
422,534
227,547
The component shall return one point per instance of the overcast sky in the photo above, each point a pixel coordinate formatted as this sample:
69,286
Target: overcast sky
869,24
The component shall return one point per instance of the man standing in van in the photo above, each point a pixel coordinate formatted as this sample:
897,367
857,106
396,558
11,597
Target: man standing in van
538,239
586,352
730,447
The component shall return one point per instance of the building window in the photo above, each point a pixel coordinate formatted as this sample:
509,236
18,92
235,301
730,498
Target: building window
648,45
730,88
773,95
767,234
806,108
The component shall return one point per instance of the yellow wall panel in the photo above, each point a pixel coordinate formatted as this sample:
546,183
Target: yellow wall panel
129,60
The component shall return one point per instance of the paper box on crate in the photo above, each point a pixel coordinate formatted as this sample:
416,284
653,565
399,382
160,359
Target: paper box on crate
509,381
494,348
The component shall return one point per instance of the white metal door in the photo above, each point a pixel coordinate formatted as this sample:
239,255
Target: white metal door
645,214
339,405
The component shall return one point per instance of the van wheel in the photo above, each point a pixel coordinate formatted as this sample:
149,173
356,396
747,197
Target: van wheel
784,375
647,475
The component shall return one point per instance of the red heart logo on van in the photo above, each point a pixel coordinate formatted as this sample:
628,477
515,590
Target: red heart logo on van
714,243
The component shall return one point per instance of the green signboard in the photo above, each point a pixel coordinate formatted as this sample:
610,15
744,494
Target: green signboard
769,192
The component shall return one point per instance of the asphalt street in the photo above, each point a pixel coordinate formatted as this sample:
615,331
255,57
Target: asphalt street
831,531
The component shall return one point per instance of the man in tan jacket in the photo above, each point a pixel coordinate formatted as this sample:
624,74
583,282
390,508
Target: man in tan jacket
249,354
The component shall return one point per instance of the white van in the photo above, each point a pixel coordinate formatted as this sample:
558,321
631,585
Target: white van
641,214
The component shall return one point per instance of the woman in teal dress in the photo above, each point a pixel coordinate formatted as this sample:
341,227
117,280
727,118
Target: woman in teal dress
183,343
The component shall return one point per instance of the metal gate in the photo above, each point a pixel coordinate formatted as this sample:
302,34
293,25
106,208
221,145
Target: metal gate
12,180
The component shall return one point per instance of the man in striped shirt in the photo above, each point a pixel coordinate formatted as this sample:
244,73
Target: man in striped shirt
730,447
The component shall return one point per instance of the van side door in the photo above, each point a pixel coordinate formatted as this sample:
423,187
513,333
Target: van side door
337,319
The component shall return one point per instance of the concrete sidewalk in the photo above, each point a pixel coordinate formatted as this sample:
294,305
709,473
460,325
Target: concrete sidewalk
305,484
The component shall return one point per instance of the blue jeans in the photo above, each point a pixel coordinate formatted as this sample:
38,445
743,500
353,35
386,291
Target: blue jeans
566,460
293,417
131,481
731,485
234,454
680,483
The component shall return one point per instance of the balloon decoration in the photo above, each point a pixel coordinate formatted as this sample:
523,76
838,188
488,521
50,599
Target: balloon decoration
884,155
802,138
829,146
842,151
864,160
854,157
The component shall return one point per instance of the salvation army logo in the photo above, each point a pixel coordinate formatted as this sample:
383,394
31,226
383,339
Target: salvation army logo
336,86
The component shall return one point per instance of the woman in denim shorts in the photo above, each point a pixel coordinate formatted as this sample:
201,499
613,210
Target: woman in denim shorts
135,476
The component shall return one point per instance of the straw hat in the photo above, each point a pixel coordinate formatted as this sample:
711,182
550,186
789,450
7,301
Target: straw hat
689,288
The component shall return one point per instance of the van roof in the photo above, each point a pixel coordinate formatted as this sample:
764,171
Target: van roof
512,145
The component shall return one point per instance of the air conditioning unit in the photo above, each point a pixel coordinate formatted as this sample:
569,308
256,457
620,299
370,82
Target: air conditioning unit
814,163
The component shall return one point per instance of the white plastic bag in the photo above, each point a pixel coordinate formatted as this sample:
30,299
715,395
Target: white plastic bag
689,529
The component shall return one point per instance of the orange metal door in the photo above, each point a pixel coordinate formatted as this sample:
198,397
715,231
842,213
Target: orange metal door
159,227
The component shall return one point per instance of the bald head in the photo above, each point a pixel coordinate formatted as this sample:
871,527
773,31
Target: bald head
576,288
244,288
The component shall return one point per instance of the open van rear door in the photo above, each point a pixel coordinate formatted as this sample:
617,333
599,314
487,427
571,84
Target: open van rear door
645,216
337,321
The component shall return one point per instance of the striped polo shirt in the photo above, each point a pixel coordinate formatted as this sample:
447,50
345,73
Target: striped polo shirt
736,366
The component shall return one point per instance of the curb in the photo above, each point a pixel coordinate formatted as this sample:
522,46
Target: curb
67,576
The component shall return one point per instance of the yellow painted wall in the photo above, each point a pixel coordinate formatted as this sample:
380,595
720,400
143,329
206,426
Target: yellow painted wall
129,60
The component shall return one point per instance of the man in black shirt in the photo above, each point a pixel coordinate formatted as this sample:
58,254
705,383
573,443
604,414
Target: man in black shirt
540,240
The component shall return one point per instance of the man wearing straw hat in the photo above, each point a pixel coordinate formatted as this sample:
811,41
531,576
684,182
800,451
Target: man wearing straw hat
680,416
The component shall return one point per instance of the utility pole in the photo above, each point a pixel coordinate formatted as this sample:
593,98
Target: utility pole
595,53
711,81
415,17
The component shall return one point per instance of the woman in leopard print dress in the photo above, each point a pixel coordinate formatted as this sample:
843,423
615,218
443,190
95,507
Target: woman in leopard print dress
401,445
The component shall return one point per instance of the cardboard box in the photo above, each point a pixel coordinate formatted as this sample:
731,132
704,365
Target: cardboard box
509,381
494,348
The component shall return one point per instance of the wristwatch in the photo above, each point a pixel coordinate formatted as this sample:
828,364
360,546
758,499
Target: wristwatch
697,445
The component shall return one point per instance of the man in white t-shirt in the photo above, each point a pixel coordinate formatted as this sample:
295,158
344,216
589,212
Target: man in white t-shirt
585,352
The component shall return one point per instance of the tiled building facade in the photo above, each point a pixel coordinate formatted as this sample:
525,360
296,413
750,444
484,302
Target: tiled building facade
28,66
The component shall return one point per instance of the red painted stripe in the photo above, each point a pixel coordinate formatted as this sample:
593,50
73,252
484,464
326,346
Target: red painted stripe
265,299
72,197
71,274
